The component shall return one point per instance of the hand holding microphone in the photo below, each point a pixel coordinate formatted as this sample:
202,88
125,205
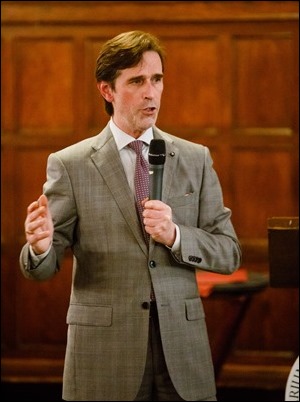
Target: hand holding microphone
157,214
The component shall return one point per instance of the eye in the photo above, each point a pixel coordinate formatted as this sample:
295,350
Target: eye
137,81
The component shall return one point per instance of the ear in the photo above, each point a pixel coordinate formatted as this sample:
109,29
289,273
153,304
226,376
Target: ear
105,90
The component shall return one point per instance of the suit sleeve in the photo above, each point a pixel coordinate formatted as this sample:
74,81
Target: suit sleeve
58,190
213,244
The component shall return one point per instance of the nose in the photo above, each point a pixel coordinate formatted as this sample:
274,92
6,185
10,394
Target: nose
148,90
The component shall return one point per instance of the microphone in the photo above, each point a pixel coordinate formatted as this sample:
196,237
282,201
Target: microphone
157,158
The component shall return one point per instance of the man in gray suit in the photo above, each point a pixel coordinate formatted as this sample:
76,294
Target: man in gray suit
122,344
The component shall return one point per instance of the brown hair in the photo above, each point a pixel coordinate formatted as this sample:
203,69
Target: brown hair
124,51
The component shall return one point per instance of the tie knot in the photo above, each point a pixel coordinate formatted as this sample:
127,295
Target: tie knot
137,146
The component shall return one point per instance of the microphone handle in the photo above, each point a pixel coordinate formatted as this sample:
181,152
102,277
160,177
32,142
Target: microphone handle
156,178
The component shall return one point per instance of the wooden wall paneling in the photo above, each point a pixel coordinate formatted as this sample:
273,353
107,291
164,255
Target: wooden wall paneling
40,307
192,83
134,12
263,108
6,85
264,86
41,315
45,79
96,117
275,308
267,182
8,273
42,112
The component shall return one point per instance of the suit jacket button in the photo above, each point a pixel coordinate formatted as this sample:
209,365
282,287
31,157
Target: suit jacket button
152,264
145,305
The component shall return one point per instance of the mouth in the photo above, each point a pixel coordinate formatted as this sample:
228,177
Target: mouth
149,110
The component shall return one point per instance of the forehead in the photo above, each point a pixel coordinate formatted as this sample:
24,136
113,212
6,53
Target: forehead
150,64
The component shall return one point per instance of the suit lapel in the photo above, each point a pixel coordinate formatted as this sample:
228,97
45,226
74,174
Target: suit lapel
107,160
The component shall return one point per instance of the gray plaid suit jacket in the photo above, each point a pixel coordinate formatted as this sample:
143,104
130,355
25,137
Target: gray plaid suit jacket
94,213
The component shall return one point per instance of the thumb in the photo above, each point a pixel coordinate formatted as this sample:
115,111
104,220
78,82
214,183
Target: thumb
43,201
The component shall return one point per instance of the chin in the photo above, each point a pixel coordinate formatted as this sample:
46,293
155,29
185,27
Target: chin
148,122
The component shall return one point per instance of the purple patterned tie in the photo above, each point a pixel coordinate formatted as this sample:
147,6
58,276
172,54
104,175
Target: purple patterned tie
141,181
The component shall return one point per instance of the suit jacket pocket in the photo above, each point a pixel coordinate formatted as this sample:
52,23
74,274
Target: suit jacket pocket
185,209
79,314
194,309
183,200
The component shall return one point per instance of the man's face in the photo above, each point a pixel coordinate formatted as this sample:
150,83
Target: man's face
137,94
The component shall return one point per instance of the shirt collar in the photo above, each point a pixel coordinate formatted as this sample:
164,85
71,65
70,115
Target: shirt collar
122,139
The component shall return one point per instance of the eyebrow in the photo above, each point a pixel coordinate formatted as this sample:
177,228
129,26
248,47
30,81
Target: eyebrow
138,77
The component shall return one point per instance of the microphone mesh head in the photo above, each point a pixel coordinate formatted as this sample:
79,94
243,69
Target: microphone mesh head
157,152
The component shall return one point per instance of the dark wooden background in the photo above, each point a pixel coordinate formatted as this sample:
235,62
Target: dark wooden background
231,83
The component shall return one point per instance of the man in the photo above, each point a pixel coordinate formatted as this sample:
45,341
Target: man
136,322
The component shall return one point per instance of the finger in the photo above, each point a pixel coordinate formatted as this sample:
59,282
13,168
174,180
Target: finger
144,201
34,215
32,226
38,236
34,205
29,232
154,204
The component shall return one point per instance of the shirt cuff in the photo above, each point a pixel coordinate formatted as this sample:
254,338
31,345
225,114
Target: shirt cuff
37,258
176,246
